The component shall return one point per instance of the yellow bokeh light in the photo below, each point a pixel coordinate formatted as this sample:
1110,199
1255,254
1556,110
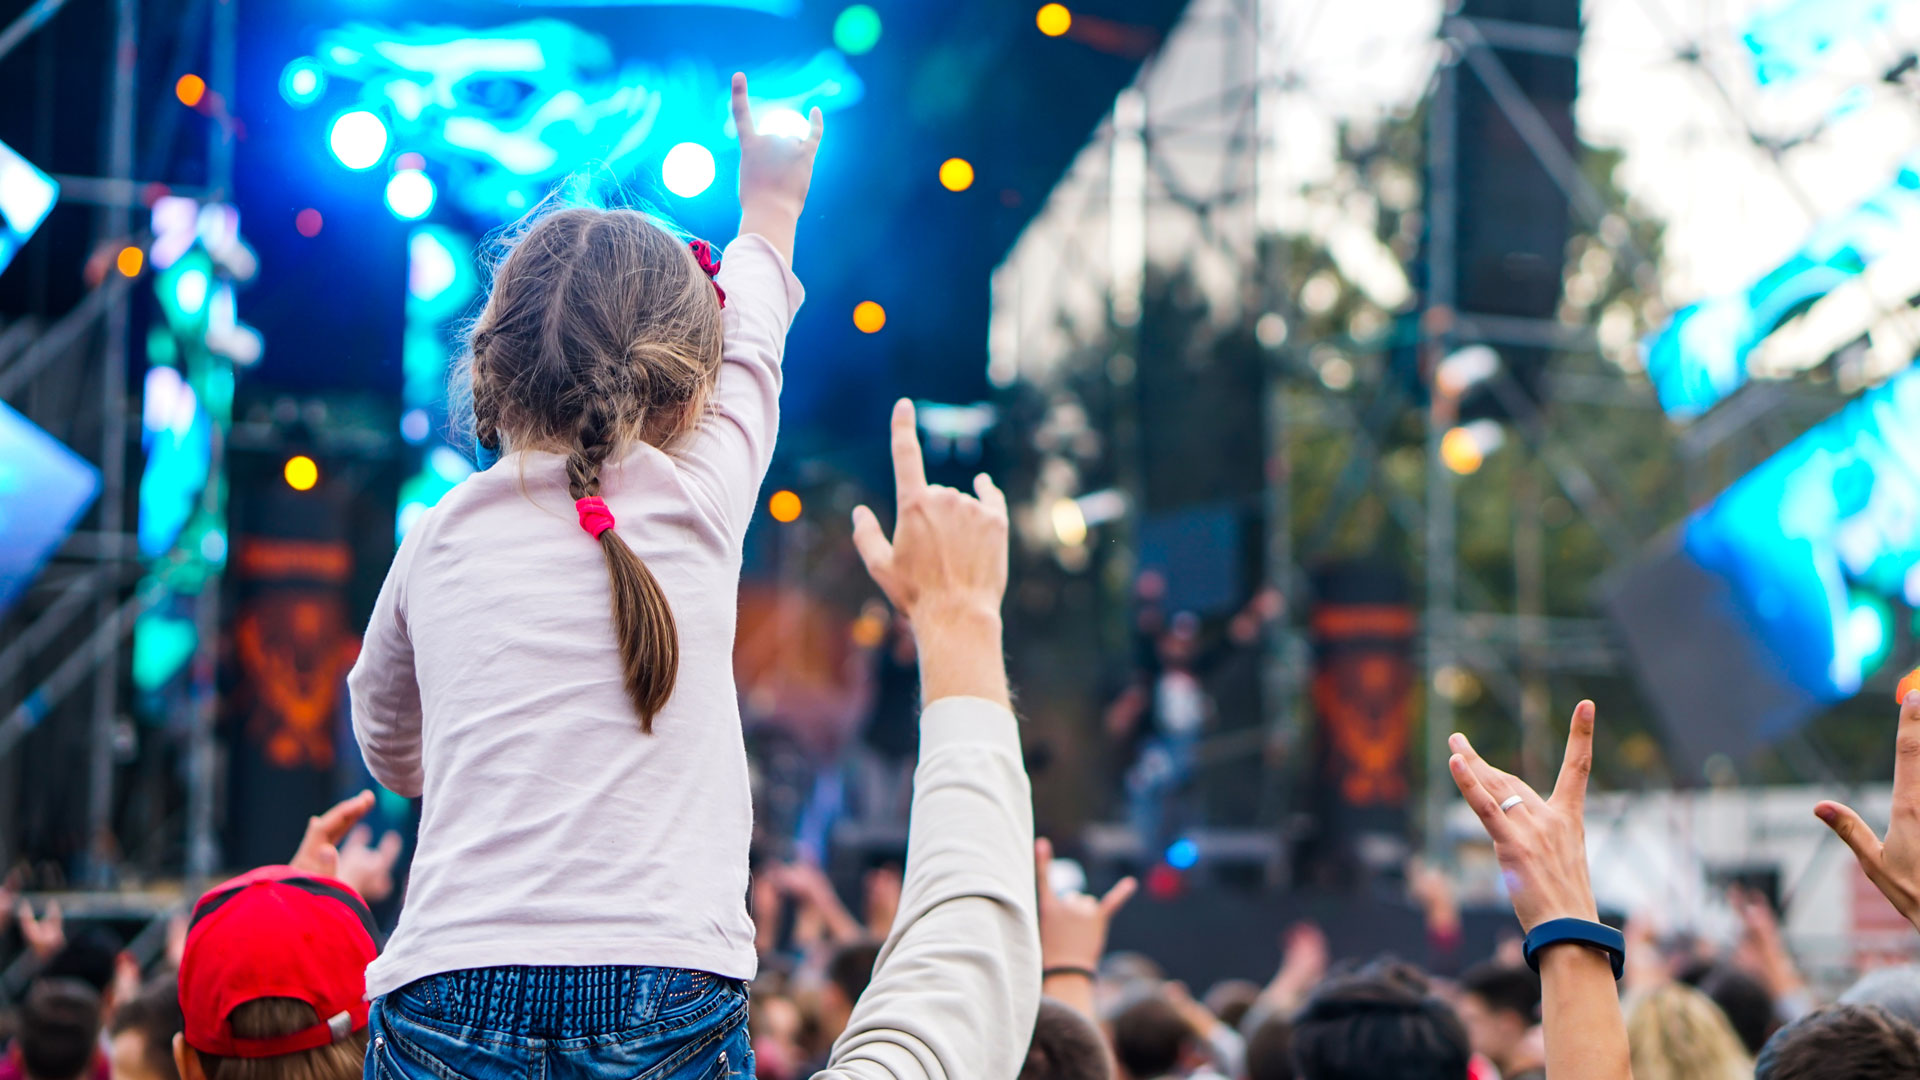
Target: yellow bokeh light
130,260
301,473
1461,452
784,506
1054,20
190,89
869,317
956,174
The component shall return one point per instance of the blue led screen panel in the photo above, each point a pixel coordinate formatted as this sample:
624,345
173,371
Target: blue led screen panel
1786,41
45,488
27,195
1700,357
1783,586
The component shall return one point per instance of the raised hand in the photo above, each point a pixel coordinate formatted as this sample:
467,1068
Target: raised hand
1892,864
1542,848
776,172
46,935
336,846
1073,926
369,868
1301,969
1541,843
945,569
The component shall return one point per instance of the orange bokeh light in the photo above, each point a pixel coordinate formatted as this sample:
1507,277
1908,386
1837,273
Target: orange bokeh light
784,506
869,317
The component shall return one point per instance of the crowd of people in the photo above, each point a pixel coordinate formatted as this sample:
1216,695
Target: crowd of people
970,965
579,903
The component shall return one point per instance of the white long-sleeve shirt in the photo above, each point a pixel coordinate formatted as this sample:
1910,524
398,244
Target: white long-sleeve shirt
957,984
552,831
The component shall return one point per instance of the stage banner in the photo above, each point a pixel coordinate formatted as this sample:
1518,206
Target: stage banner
1363,681
294,640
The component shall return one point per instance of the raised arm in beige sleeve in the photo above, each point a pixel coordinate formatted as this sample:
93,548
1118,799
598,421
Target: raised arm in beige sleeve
957,984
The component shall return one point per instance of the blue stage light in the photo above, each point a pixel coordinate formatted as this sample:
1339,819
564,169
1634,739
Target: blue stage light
410,194
1182,854
787,122
688,170
303,82
415,426
190,291
857,30
358,139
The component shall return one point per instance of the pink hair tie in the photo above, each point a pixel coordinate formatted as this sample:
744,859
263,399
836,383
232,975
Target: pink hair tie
703,253
594,515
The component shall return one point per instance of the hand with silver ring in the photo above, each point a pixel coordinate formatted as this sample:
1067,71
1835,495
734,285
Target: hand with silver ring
1543,852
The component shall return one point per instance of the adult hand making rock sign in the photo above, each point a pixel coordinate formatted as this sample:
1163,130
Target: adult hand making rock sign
945,569
1893,864
1542,848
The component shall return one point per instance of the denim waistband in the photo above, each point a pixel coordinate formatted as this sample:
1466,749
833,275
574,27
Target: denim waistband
548,1001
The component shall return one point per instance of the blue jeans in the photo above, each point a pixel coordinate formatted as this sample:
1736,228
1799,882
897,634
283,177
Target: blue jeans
561,1023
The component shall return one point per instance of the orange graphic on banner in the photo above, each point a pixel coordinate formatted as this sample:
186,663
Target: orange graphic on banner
296,648
1363,700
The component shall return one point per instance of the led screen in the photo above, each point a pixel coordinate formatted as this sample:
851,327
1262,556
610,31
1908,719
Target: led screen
44,489
1776,600
1817,539
1701,356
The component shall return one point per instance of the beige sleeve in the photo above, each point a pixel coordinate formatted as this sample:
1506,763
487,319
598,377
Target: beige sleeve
957,984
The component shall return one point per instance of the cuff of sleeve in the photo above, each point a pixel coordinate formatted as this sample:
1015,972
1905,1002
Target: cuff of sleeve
968,721
747,243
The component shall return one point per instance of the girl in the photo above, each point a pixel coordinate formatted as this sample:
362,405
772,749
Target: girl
577,899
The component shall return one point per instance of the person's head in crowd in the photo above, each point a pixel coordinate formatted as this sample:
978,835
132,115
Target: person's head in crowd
1066,1046
59,1031
1270,1050
142,1033
848,972
1499,1004
1841,1042
1381,1021
1126,977
90,957
1676,1032
273,980
1895,989
1231,1000
1747,1005
775,1026
1151,1039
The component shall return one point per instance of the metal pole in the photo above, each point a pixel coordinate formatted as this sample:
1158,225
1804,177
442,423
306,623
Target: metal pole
113,446
1281,682
1442,200
1529,590
29,20
203,850
221,60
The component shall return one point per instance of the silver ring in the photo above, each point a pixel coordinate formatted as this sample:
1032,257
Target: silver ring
1510,802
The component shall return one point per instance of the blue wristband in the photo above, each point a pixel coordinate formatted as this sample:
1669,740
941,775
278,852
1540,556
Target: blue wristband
1578,932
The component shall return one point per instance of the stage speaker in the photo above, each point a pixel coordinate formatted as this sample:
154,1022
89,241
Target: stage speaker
1511,219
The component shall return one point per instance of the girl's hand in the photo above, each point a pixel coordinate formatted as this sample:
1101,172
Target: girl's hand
1541,843
775,173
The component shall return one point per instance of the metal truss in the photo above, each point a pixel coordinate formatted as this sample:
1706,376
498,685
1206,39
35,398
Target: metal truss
64,644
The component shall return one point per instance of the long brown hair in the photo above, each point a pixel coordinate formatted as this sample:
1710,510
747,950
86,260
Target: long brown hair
601,329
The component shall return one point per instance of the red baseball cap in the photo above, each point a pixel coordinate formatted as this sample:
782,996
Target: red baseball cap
276,932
